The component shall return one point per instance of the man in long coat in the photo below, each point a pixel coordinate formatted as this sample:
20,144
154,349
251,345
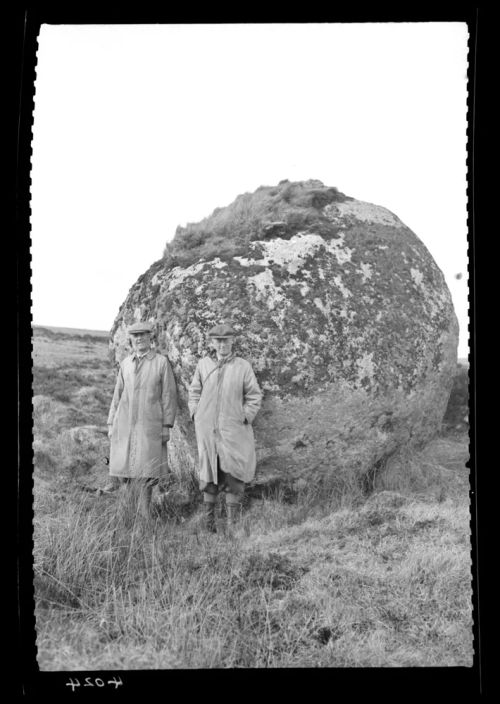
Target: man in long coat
142,412
224,398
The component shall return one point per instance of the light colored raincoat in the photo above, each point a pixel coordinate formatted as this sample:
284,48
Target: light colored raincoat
223,400
144,401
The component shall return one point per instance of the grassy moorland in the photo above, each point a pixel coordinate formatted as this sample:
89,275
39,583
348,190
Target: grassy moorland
310,580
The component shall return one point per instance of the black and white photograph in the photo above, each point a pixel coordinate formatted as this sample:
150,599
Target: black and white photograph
250,347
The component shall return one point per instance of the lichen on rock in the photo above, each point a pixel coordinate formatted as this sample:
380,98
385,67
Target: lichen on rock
343,313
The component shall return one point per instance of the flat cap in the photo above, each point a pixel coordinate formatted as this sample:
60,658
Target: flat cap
221,330
140,327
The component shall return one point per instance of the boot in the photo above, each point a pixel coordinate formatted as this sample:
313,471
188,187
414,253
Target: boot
232,514
210,525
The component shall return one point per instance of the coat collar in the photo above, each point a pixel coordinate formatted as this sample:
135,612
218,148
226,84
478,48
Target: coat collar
148,355
215,361
222,362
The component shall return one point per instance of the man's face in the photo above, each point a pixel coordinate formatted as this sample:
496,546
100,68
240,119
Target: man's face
223,345
141,341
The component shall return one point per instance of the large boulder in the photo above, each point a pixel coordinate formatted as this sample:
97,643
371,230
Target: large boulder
343,313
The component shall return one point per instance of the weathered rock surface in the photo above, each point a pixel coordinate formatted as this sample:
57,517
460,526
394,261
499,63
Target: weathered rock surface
345,317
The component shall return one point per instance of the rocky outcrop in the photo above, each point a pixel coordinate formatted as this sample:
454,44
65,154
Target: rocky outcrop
343,313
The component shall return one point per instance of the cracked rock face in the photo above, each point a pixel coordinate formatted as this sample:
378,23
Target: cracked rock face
344,315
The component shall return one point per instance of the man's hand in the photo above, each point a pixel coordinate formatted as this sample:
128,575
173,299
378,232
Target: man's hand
110,431
165,435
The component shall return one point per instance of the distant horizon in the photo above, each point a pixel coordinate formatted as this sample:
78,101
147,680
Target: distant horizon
69,327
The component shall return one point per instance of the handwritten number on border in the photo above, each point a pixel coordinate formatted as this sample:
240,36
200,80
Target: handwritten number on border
98,682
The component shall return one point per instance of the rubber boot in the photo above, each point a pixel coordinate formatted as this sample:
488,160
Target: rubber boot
210,525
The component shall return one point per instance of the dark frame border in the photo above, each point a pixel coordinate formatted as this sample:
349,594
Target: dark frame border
33,683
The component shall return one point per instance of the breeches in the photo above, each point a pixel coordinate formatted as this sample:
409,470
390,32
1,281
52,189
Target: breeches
233,487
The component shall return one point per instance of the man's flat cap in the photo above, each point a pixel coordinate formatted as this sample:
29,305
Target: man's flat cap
140,327
221,330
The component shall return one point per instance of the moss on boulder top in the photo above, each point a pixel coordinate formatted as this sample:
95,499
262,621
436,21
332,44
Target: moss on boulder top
344,315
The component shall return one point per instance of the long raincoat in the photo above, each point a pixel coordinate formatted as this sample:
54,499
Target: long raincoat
224,399
144,401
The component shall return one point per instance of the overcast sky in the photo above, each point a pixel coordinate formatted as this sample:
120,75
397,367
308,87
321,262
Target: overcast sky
140,128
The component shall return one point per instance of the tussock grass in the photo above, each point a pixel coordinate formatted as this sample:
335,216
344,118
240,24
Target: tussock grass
372,586
436,472
66,381
281,210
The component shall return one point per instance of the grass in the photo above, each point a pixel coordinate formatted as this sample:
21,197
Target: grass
354,588
284,210
55,349
318,577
